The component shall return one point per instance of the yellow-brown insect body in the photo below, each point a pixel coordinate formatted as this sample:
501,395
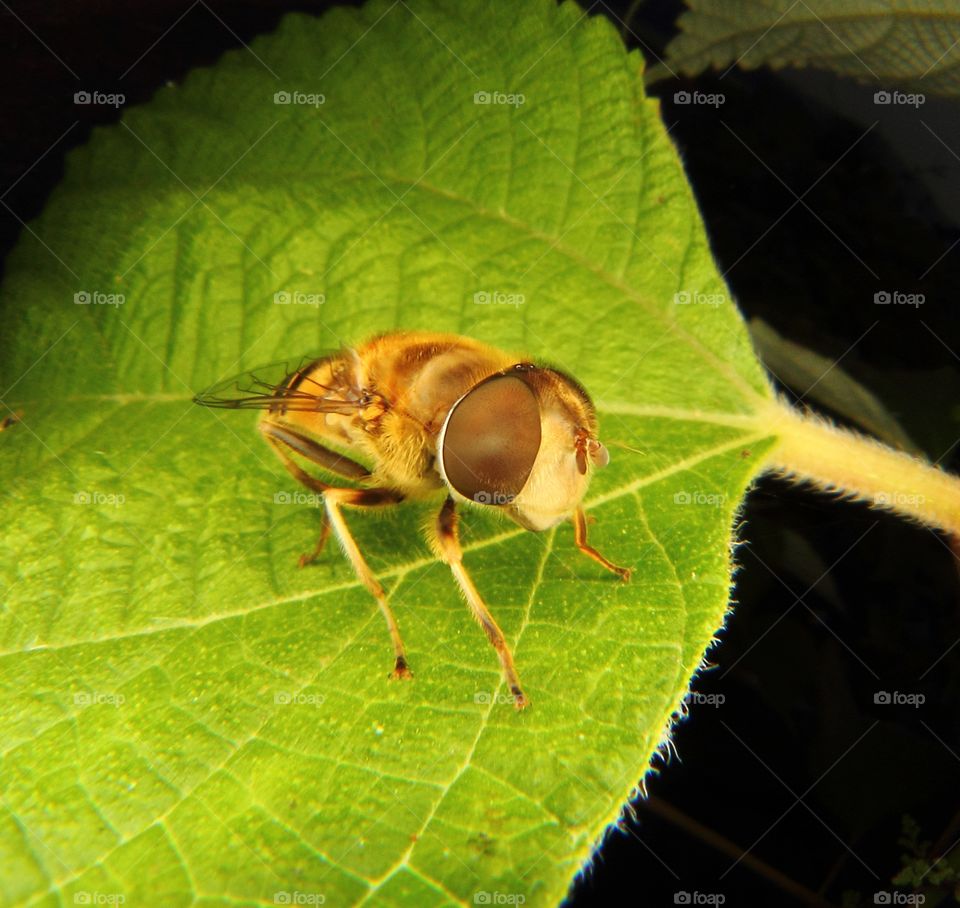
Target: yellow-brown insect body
405,384
413,414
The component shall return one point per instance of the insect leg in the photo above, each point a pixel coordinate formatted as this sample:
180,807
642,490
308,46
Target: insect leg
580,535
321,456
367,498
282,438
309,557
447,543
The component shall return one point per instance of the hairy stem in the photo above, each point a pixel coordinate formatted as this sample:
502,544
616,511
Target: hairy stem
811,449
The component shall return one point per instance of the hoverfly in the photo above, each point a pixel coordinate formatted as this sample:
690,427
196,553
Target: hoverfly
433,415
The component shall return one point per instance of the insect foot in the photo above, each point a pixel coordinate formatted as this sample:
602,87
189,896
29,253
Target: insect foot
401,671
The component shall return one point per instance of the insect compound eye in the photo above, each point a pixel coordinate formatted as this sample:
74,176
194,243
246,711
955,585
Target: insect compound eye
491,440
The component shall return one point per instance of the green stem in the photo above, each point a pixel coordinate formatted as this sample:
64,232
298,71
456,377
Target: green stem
811,449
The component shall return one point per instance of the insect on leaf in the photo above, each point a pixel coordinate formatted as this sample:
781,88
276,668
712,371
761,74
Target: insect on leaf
187,715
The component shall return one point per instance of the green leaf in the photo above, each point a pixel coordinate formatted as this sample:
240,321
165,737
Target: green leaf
894,43
187,715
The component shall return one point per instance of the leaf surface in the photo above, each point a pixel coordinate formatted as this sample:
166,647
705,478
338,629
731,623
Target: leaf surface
896,44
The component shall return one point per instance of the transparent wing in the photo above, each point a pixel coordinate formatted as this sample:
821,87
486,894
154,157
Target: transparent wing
278,386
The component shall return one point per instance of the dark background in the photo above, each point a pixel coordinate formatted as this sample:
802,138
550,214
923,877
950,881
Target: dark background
836,601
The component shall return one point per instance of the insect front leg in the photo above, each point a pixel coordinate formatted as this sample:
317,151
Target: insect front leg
447,543
580,535
367,498
282,439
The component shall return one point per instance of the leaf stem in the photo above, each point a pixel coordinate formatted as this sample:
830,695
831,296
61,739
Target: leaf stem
811,449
